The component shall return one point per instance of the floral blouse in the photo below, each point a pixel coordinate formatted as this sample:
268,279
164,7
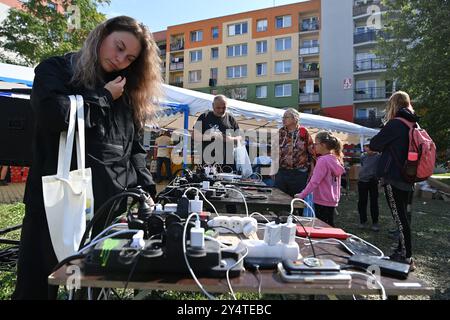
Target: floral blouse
296,149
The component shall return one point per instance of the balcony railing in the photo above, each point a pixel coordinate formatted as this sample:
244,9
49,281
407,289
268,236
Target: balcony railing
176,66
309,50
312,26
361,9
369,36
177,84
309,98
369,122
370,64
304,74
176,46
373,93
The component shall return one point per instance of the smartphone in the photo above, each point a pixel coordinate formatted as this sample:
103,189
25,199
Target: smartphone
311,266
333,279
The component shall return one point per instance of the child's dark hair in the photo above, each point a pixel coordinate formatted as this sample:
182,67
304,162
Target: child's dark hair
332,143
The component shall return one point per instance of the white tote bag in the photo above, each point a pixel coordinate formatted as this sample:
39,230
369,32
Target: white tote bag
68,196
243,163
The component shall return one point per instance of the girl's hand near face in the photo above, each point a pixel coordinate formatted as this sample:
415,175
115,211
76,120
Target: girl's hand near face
116,87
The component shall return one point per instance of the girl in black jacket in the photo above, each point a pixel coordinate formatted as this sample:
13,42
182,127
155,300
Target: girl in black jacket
393,142
118,73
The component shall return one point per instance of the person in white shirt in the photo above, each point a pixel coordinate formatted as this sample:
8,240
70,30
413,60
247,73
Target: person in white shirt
163,156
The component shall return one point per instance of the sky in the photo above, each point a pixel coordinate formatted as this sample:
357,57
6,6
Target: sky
159,14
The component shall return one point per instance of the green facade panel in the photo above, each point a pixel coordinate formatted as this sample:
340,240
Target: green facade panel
271,100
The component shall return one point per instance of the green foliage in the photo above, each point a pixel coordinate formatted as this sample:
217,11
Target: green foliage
418,56
37,31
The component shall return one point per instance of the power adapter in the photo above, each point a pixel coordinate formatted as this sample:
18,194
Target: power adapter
197,236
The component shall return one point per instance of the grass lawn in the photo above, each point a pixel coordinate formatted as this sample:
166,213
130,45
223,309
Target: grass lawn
431,243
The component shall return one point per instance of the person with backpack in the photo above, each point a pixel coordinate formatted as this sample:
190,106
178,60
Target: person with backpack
407,156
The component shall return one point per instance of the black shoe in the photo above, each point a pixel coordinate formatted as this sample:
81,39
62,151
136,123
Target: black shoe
3,183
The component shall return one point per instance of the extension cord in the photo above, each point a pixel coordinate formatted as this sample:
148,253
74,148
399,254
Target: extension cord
281,251
245,225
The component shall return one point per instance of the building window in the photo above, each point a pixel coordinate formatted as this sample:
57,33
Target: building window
195,76
261,92
215,32
196,55
283,44
261,46
239,93
237,28
214,72
283,90
310,24
196,36
237,72
261,69
284,66
214,53
283,22
261,25
310,43
237,50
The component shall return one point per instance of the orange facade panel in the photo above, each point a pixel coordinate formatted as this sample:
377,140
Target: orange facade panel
206,26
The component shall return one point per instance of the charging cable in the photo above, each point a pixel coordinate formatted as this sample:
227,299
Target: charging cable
204,197
211,297
243,197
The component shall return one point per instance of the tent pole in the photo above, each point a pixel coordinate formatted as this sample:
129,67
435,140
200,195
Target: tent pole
186,130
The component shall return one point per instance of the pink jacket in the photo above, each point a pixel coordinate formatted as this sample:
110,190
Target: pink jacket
325,183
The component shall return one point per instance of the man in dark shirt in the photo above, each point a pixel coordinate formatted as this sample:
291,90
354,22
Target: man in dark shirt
216,131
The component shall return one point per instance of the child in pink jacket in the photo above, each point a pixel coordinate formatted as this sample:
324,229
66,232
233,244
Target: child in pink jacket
325,183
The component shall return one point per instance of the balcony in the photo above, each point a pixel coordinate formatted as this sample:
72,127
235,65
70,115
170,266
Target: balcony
307,27
177,84
177,46
307,74
373,93
176,66
309,50
369,36
372,64
361,9
307,98
370,122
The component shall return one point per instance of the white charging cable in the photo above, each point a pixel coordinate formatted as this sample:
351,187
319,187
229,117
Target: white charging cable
204,197
229,269
211,297
243,197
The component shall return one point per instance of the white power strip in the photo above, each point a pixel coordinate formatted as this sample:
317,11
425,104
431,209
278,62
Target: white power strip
245,225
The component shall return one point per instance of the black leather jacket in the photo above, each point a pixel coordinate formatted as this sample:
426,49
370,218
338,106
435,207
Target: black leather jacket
114,151
393,142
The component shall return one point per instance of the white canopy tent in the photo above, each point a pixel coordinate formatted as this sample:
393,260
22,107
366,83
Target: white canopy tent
254,116
249,115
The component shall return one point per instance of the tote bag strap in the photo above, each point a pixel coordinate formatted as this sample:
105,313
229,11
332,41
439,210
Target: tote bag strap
66,143
80,139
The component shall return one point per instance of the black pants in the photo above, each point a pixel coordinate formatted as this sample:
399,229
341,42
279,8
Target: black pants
366,189
291,181
159,162
398,201
326,214
36,259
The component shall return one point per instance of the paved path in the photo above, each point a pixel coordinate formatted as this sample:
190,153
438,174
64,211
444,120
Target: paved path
12,193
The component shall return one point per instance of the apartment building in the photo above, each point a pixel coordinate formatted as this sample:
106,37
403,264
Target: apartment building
269,56
317,56
372,89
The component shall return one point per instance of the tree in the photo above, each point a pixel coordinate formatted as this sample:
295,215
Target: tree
417,52
38,30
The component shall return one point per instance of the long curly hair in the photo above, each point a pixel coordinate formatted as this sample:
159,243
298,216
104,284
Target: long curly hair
143,88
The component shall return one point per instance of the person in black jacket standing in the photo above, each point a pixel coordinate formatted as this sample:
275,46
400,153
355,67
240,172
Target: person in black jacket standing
393,142
118,73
